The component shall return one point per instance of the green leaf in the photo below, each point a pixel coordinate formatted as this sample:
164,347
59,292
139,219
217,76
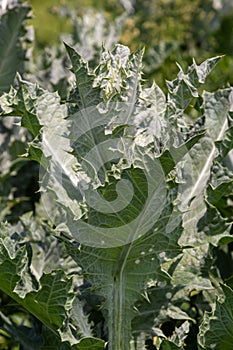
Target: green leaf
216,329
47,302
168,345
91,343
175,154
113,272
51,298
23,102
27,95
85,95
202,225
227,143
14,272
219,197
199,160
183,89
216,106
161,305
198,74
51,341
12,35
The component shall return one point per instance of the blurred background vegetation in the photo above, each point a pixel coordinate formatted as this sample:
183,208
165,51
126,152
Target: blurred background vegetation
170,30
48,25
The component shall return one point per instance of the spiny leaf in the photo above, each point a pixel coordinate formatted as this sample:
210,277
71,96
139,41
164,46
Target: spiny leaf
51,298
216,328
84,95
183,89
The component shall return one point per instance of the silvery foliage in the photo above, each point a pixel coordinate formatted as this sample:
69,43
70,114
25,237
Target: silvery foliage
132,185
